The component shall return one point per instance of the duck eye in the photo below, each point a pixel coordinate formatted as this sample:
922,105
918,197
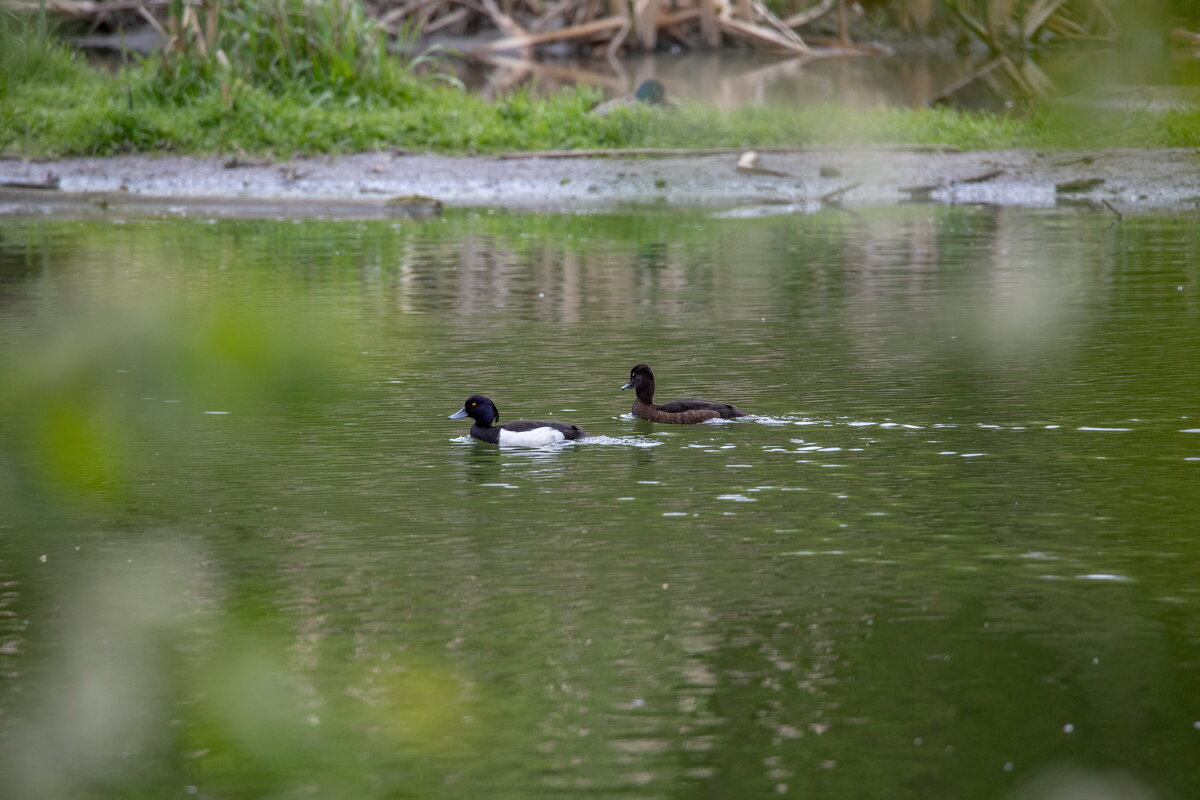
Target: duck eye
474,404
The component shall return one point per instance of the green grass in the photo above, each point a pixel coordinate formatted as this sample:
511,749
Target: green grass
295,84
91,114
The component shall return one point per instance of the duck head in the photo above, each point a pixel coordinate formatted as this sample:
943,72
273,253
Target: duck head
651,92
641,378
479,408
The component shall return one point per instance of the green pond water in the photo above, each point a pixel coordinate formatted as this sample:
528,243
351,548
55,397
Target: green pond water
952,554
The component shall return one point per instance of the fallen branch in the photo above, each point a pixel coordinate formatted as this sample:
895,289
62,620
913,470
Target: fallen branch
984,178
760,33
832,198
51,182
776,23
673,18
531,39
814,13
966,80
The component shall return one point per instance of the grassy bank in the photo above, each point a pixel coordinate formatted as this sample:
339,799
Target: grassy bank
270,100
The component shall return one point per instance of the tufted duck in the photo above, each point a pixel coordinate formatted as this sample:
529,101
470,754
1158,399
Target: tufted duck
525,432
687,411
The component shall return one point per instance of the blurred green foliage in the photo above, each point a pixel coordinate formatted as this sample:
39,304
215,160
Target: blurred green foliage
313,595
81,389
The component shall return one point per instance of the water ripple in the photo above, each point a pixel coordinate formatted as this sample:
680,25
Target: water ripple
618,441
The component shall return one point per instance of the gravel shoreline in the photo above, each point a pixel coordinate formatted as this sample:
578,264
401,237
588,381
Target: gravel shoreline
1119,181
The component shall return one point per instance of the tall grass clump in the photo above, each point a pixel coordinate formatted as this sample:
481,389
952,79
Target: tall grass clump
30,51
317,49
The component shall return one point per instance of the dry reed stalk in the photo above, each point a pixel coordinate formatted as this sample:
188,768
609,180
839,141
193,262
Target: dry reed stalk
811,15
1039,12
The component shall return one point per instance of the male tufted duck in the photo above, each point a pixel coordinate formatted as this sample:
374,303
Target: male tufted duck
687,411
525,432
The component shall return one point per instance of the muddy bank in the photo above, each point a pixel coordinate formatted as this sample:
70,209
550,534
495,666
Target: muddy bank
1117,181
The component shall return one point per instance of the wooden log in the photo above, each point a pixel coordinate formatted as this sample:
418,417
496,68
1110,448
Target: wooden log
672,18
814,13
531,39
645,22
776,23
761,34
51,182
709,32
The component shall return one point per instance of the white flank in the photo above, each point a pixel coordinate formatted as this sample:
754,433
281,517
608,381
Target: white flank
534,438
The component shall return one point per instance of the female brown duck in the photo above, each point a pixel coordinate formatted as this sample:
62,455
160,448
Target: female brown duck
687,411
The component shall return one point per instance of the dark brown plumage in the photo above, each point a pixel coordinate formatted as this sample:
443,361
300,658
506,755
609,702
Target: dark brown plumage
687,411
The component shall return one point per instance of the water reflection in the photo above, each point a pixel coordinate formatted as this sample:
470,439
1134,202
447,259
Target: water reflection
915,77
738,79
949,554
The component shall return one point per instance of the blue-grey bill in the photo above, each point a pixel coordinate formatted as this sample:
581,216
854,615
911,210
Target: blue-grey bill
462,412
627,386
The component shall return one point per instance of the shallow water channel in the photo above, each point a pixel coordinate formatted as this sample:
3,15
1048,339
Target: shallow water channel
952,553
